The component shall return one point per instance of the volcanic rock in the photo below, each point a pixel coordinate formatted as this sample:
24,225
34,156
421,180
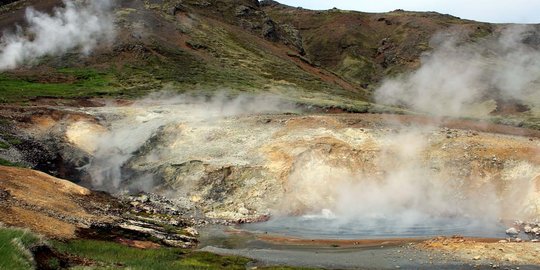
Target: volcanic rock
512,231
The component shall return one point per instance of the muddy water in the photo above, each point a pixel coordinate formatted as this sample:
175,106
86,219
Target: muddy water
321,227
269,249
230,241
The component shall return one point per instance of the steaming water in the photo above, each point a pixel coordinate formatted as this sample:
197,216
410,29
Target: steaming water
328,226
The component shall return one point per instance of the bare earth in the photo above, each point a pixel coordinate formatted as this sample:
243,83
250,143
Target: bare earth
46,204
475,251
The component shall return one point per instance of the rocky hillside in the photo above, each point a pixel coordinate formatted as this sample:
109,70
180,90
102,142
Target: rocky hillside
180,45
365,47
326,58
332,58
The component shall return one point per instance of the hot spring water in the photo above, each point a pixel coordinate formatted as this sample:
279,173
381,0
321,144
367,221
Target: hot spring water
327,225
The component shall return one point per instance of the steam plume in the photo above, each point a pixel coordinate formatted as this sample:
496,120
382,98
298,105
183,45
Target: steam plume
78,25
404,190
455,76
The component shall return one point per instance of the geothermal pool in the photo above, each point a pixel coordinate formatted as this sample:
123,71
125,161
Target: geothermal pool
327,242
325,227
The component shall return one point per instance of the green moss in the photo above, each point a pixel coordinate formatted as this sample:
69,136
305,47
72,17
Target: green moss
4,162
53,263
531,122
87,82
15,254
4,145
122,257
208,260
110,255
518,121
359,70
9,140
14,141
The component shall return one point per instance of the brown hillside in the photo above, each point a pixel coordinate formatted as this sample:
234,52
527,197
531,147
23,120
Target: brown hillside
365,47
46,204
187,45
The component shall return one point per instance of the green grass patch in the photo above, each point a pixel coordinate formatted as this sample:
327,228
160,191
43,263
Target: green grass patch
517,121
85,82
4,145
109,255
9,139
14,141
14,244
123,257
4,162
15,254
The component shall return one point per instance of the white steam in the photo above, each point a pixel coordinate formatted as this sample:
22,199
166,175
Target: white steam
405,185
455,76
131,127
78,25
411,191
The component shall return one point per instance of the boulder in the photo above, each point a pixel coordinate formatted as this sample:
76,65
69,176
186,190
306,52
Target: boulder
512,231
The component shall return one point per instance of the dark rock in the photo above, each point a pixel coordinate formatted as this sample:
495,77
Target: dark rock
531,38
4,195
176,9
268,3
292,36
5,2
242,11
139,50
255,3
512,232
48,259
269,30
196,45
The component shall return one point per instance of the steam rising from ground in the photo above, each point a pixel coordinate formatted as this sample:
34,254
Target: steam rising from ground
78,25
205,151
456,75
141,121
403,192
455,79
